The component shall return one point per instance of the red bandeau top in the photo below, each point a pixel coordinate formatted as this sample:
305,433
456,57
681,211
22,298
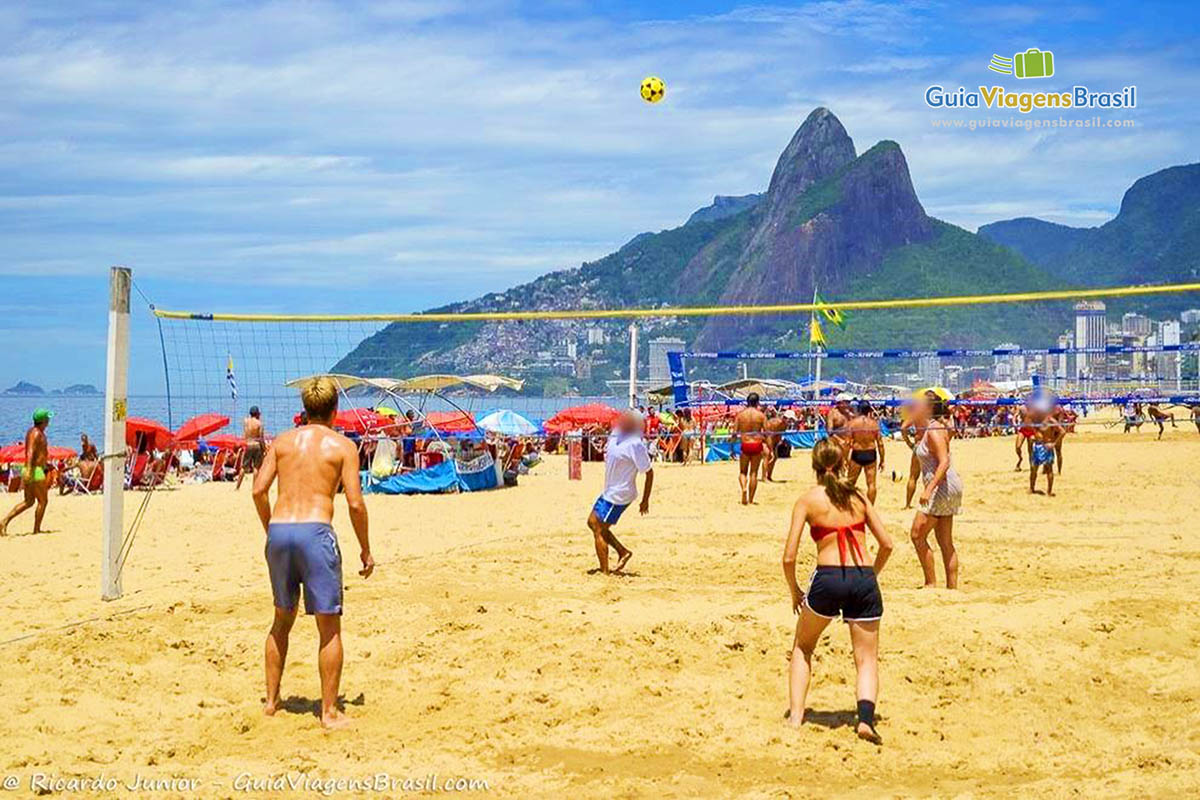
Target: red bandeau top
846,539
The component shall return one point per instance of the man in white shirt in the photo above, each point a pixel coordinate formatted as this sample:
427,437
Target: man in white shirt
625,456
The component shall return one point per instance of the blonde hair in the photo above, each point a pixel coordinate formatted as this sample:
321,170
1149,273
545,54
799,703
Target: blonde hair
827,459
320,399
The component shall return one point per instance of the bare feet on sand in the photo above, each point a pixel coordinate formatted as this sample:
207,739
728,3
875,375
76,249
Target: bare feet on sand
623,561
793,721
336,720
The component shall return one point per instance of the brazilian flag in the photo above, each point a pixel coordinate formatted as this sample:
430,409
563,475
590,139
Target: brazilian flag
834,315
816,336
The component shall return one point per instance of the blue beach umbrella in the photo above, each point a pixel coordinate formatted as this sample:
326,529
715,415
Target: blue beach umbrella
507,423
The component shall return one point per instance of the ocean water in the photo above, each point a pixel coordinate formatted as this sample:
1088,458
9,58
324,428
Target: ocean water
75,415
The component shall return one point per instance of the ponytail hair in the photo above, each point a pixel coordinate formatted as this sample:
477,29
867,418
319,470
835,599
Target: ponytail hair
827,459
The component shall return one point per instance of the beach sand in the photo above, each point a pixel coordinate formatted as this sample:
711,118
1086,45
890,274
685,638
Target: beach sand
482,648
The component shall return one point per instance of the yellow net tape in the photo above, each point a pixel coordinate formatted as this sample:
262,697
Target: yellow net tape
703,311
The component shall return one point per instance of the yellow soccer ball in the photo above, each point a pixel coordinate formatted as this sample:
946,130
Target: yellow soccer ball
653,89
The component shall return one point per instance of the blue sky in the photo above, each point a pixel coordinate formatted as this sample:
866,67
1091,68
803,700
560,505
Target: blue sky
390,156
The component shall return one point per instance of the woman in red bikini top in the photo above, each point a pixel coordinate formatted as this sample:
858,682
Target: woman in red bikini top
844,582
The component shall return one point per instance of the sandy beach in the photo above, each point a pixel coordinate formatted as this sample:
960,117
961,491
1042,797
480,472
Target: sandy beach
482,648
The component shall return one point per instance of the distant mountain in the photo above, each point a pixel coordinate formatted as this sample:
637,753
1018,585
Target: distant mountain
1155,238
74,390
79,390
26,388
849,225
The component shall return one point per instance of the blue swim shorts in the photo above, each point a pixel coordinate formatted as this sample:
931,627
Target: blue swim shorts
305,553
607,512
1042,454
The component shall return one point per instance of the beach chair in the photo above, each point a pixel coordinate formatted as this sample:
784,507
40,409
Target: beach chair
156,473
218,465
136,470
93,485
512,461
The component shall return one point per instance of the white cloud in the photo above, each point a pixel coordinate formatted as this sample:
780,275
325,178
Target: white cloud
471,136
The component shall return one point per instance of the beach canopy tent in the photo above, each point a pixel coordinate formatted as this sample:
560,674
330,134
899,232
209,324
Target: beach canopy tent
457,422
156,435
766,388
576,417
508,423
420,384
200,426
824,387
439,383
15,453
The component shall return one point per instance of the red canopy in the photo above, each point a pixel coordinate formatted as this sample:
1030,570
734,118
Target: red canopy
360,420
15,453
157,435
706,412
225,441
576,417
451,421
200,425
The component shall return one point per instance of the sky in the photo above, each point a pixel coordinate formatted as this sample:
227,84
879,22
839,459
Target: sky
395,155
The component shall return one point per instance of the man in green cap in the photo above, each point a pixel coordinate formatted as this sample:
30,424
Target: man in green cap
33,474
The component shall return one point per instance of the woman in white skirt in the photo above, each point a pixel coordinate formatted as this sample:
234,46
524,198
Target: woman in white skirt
941,498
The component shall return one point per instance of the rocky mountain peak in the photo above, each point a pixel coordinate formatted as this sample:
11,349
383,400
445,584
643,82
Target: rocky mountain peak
819,148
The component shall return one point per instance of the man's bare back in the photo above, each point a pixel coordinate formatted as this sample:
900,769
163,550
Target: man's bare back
836,421
749,424
863,432
312,462
252,429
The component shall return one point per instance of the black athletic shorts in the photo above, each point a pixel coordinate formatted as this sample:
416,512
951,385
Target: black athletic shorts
863,458
849,591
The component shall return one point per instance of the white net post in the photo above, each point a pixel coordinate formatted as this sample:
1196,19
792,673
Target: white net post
633,355
115,408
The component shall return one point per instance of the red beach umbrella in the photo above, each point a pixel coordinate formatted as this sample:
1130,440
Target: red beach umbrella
199,426
157,435
450,421
576,417
225,441
360,420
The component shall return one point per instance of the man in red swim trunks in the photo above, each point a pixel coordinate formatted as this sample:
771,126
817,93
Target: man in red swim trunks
749,425
1027,421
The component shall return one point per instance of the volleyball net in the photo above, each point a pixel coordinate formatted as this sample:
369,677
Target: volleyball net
553,361
547,372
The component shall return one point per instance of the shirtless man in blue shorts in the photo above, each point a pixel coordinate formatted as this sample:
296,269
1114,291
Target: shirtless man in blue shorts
312,461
